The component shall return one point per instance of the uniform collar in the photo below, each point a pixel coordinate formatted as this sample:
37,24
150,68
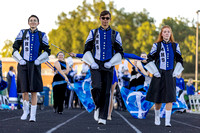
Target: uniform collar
36,30
105,29
166,42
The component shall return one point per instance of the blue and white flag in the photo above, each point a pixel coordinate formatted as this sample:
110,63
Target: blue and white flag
82,89
132,56
135,103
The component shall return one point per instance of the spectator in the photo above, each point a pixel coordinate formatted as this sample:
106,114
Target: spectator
9,76
190,87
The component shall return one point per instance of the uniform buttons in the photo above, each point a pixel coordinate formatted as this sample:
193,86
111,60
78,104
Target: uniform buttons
104,43
104,32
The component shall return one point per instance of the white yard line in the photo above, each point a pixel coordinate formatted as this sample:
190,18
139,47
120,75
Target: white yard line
182,123
186,124
131,125
58,126
20,116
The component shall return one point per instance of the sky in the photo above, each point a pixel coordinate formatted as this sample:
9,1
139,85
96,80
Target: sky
14,13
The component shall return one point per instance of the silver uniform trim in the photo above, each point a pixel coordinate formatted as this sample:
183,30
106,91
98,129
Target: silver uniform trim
163,63
27,45
97,47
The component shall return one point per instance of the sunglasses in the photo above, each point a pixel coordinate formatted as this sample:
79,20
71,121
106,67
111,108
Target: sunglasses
107,18
33,20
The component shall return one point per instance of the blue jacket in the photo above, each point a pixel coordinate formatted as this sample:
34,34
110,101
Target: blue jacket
190,89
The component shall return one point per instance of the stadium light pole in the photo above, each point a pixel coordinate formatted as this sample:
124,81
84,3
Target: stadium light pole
196,63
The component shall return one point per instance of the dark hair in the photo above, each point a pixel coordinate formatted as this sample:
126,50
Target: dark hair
11,68
59,53
143,53
33,16
105,12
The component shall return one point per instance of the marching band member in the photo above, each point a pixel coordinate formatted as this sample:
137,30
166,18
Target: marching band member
106,46
164,53
29,78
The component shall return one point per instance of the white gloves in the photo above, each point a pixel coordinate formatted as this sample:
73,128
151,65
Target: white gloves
94,65
157,74
88,58
116,59
42,58
178,69
37,62
17,56
151,67
107,65
22,62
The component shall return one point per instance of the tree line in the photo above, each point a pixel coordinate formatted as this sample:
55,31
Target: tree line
137,29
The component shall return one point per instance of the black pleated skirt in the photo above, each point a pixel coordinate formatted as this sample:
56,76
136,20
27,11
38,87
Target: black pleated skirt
163,89
29,78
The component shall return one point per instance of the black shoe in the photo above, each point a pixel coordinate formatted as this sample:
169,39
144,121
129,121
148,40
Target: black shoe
60,113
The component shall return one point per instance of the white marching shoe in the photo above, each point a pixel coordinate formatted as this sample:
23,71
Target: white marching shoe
33,113
157,120
167,123
96,114
102,121
157,117
25,110
167,118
